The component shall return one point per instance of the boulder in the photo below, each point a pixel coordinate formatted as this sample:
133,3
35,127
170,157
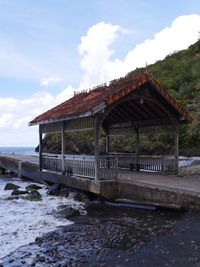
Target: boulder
34,196
81,197
33,187
64,192
66,212
10,186
17,192
54,190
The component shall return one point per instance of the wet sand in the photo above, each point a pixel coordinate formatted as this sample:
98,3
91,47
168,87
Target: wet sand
116,236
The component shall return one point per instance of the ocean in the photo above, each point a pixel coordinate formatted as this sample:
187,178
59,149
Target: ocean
18,150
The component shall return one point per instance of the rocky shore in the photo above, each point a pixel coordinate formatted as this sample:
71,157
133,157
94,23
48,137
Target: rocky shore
115,236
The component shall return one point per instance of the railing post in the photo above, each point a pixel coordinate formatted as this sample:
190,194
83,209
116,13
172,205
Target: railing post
162,165
63,148
40,148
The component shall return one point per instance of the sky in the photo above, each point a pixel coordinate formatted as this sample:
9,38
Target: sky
51,48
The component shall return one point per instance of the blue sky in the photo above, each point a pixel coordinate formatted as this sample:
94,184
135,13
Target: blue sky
43,51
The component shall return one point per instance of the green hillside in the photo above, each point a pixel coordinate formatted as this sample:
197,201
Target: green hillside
179,73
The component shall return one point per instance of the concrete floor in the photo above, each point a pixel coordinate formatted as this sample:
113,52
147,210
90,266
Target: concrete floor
186,183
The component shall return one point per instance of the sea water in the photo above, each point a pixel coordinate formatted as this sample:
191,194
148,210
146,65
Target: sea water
21,221
18,150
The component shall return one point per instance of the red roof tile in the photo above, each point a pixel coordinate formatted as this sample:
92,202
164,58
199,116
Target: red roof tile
88,101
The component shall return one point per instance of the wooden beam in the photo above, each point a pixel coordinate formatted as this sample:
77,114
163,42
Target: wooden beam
137,110
107,144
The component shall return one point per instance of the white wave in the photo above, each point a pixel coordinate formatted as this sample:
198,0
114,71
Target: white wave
185,162
21,221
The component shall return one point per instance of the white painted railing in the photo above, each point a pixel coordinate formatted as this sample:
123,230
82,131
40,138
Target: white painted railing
84,166
160,164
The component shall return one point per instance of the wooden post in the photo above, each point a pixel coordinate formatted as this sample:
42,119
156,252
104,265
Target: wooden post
108,149
96,148
107,143
176,148
137,148
40,148
63,148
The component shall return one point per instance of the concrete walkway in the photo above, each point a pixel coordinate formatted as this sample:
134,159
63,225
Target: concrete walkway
186,183
23,158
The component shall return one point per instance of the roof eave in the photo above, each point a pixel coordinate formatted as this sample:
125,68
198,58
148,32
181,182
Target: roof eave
94,111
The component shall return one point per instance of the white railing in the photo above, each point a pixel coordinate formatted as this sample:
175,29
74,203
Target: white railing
84,166
160,164
108,167
52,163
81,166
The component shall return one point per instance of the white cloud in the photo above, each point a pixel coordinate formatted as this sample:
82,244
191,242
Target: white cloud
96,53
5,120
52,80
15,114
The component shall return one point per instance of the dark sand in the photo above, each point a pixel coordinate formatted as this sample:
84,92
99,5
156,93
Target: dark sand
116,236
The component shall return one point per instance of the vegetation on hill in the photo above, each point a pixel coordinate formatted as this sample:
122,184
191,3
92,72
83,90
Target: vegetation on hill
179,73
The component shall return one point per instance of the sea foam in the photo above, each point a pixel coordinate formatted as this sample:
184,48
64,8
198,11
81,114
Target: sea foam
21,221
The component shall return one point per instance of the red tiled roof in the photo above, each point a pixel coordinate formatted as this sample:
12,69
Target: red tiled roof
85,102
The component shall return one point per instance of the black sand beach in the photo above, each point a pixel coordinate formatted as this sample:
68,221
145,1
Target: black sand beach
117,236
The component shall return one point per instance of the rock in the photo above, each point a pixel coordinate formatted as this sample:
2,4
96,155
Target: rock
34,196
65,211
33,187
81,197
10,186
64,192
41,258
17,192
54,190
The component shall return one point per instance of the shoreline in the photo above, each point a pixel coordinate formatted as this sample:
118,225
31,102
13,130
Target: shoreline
113,237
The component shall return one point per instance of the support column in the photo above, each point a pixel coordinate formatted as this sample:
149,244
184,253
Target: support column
176,148
96,148
137,148
107,143
40,148
63,148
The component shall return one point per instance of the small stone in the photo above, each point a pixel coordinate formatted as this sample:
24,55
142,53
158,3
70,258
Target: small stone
182,243
41,258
